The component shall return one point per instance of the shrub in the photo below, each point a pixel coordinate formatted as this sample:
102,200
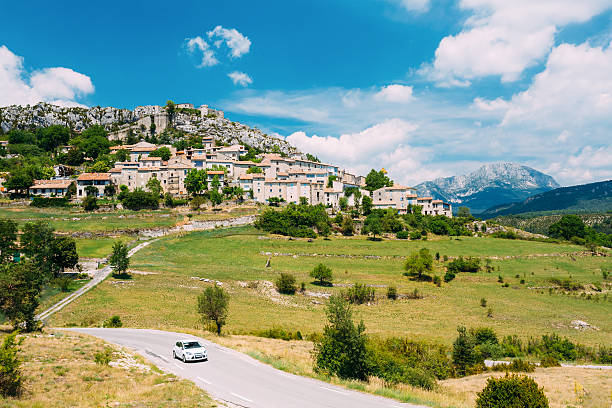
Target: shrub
104,357
467,264
505,235
90,203
44,202
279,333
449,276
515,366
294,220
549,361
286,284
419,264
113,321
415,235
10,372
483,302
465,355
511,391
360,293
437,281
402,235
392,292
323,274
140,199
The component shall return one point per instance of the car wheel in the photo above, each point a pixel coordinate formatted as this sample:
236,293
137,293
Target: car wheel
173,354
184,359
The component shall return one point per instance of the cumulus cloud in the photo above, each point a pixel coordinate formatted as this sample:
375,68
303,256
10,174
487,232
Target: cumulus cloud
395,93
240,78
208,55
58,85
505,37
233,39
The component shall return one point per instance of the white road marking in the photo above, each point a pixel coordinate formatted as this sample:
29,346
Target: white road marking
203,380
332,390
182,368
241,397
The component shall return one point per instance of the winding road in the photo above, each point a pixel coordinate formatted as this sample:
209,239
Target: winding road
234,377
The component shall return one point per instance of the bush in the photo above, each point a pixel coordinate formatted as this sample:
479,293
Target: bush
511,391
45,202
113,321
466,357
279,333
483,302
286,284
90,203
415,235
467,264
140,199
449,276
323,274
360,293
402,235
392,292
437,281
10,372
505,235
549,361
104,357
295,220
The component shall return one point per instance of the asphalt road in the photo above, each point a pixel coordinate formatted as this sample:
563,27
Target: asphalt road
235,377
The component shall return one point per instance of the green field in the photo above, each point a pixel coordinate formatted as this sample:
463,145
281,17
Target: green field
99,247
167,298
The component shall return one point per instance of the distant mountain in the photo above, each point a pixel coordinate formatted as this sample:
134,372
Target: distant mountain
490,185
593,197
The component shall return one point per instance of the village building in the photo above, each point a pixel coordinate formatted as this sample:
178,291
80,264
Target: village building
50,188
98,180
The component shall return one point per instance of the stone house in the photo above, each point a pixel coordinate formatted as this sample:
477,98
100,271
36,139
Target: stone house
50,188
98,180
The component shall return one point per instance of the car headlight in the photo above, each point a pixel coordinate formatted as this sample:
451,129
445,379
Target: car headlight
188,353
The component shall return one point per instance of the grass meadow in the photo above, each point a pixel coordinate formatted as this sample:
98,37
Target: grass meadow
166,297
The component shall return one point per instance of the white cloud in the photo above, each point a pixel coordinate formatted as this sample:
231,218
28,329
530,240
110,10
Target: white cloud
413,5
58,85
395,93
235,41
504,37
208,55
240,78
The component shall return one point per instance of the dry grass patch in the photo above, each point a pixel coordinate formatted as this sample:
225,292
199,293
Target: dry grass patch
60,371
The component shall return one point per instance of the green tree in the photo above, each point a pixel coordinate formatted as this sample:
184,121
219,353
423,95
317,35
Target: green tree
10,373
323,274
511,391
254,170
19,180
464,212
366,205
171,111
465,355
8,239
64,253
154,186
74,157
71,191
110,190
215,183
93,141
215,198
163,153
342,349
312,158
37,243
122,155
373,225
377,179
195,181
347,227
567,227
90,203
119,259
20,286
419,263
53,136
213,305
343,203
91,191
286,284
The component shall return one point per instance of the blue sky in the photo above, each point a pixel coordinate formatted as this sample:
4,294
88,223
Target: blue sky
424,88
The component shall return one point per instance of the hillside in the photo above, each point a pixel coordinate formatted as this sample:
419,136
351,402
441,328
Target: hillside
593,197
120,122
490,185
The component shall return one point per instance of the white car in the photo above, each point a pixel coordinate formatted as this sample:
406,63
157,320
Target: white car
189,350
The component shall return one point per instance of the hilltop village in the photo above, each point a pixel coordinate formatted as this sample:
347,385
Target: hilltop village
279,177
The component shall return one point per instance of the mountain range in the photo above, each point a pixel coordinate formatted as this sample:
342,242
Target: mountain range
490,185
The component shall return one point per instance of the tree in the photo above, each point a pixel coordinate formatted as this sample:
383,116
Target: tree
215,183
372,225
567,227
20,180
323,274
10,373
254,170
53,136
342,348
343,203
154,186
464,212
122,155
286,284
213,305
64,253
347,227
93,141
8,239
91,191
74,157
465,355
37,243
377,179
419,263
138,199
511,391
330,180
366,205
119,259
170,110
312,158
71,191
20,286
215,198
163,153
90,203
195,181
110,190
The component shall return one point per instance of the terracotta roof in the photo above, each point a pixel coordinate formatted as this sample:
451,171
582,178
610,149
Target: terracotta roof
411,195
149,158
247,162
436,202
280,173
424,199
51,183
115,170
331,190
94,176
215,172
152,168
399,188
246,177
232,148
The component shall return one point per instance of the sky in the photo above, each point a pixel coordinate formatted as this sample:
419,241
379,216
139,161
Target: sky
422,88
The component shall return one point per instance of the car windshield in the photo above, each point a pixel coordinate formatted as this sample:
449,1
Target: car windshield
191,344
